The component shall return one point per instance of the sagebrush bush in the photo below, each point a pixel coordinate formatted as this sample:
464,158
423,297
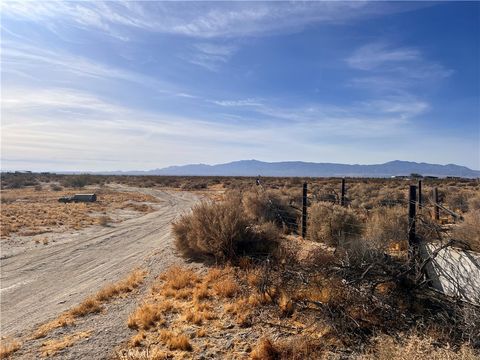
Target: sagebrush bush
457,201
221,230
385,226
332,224
469,230
269,206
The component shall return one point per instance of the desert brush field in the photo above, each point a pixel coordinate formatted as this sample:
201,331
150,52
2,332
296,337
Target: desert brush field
217,268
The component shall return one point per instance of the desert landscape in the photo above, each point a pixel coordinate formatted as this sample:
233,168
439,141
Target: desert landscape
239,180
216,267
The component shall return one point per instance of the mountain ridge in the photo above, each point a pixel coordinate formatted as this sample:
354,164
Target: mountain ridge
311,169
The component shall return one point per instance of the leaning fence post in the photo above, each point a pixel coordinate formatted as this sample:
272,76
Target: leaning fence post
420,199
412,202
436,209
304,211
342,198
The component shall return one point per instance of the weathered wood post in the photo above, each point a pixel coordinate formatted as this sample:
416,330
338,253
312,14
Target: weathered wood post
436,209
412,207
304,211
420,200
342,198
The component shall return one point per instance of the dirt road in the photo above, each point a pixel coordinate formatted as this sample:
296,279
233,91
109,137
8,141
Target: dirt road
39,284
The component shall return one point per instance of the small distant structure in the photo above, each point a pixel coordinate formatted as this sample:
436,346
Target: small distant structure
429,177
401,177
78,198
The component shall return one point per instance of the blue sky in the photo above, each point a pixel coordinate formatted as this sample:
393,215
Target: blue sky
142,85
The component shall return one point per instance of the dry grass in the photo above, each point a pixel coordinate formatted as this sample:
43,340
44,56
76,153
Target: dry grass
150,353
264,350
29,212
175,341
51,347
145,316
285,304
89,306
93,304
386,226
8,347
178,277
469,230
201,292
62,321
416,348
104,220
333,224
131,282
226,287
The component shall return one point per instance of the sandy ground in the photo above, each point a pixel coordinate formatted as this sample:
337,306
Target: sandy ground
40,283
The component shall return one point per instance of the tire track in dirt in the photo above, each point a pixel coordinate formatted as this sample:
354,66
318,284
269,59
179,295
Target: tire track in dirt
39,284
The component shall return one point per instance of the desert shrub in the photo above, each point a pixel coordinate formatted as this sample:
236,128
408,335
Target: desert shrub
428,229
469,230
7,199
387,225
457,202
328,197
391,197
78,181
194,185
221,230
474,203
333,224
261,207
56,187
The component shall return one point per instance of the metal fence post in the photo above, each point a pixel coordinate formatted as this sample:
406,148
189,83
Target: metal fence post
342,198
436,209
412,202
304,211
420,199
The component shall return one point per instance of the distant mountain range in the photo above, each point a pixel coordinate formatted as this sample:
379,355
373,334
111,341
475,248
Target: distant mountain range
310,169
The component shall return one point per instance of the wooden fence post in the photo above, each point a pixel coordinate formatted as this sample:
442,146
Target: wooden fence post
436,209
420,199
412,238
342,198
304,211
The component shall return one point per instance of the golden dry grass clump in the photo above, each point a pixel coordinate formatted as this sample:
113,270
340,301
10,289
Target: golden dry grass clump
177,277
145,316
175,341
264,350
8,347
51,347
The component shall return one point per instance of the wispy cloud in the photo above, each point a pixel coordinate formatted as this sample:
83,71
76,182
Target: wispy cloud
239,103
383,66
199,20
47,66
210,55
